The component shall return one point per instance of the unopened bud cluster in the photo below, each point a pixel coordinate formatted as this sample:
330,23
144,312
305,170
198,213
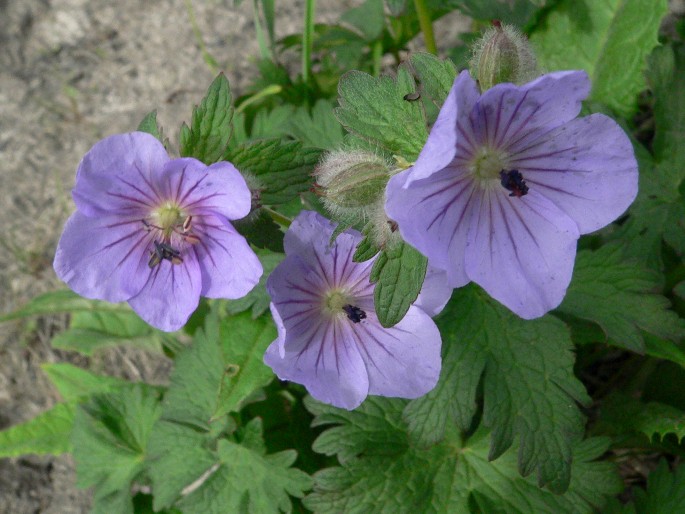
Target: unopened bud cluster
503,54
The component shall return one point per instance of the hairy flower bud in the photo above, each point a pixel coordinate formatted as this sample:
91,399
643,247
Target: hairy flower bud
503,54
352,183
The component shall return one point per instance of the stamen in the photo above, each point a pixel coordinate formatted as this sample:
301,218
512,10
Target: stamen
512,180
355,314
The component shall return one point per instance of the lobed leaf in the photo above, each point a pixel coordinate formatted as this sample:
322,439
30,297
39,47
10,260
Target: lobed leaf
374,109
530,392
47,434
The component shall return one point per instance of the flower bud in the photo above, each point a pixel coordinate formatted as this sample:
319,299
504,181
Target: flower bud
503,54
352,183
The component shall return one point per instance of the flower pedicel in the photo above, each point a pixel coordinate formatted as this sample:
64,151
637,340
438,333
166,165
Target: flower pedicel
155,231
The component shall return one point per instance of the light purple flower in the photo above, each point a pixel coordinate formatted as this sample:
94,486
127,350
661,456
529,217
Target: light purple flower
329,338
507,182
154,231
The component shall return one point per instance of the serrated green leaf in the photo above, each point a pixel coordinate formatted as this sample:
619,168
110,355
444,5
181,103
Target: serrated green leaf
247,481
374,109
530,392
74,383
367,248
435,75
384,470
398,273
257,300
220,370
110,437
47,434
210,127
149,124
609,39
272,124
318,129
282,170
622,298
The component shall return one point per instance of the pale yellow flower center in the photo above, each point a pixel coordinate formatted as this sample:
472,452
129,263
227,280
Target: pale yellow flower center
486,166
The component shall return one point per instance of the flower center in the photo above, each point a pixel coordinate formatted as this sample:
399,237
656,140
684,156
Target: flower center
335,300
167,217
486,166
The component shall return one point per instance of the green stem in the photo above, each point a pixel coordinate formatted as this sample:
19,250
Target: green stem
307,40
377,57
209,58
426,25
278,217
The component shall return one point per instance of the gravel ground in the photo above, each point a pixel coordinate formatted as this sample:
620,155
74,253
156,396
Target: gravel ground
71,73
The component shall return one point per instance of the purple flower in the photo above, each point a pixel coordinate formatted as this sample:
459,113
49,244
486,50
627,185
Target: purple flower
329,338
507,182
154,231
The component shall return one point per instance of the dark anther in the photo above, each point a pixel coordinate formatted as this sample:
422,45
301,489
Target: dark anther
355,314
164,251
513,181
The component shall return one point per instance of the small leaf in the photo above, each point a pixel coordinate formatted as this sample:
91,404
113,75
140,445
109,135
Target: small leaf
257,300
367,248
110,438
374,109
48,433
210,128
368,18
149,125
398,273
435,75
320,129
261,230
282,170
610,39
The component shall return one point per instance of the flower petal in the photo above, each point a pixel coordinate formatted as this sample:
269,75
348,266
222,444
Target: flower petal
521,251
434,216
201,189
585,167
403,360
509,117
230,269
97,257
446,134
170,295
435,292
115,176
325,362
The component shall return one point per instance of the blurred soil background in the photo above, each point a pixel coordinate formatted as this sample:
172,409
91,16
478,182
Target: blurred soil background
71,73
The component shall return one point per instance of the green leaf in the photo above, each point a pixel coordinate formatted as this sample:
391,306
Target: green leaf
220,370
623,414
46,434
74,383
384,470
525,369
374,109
622,298
659,210
367,248
609,39
665,493
149,125
398,273
368,18
247,481
63,301
257,300
396,7
435,75
210,127
261,230
281,170
320,129
110,437
273,123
